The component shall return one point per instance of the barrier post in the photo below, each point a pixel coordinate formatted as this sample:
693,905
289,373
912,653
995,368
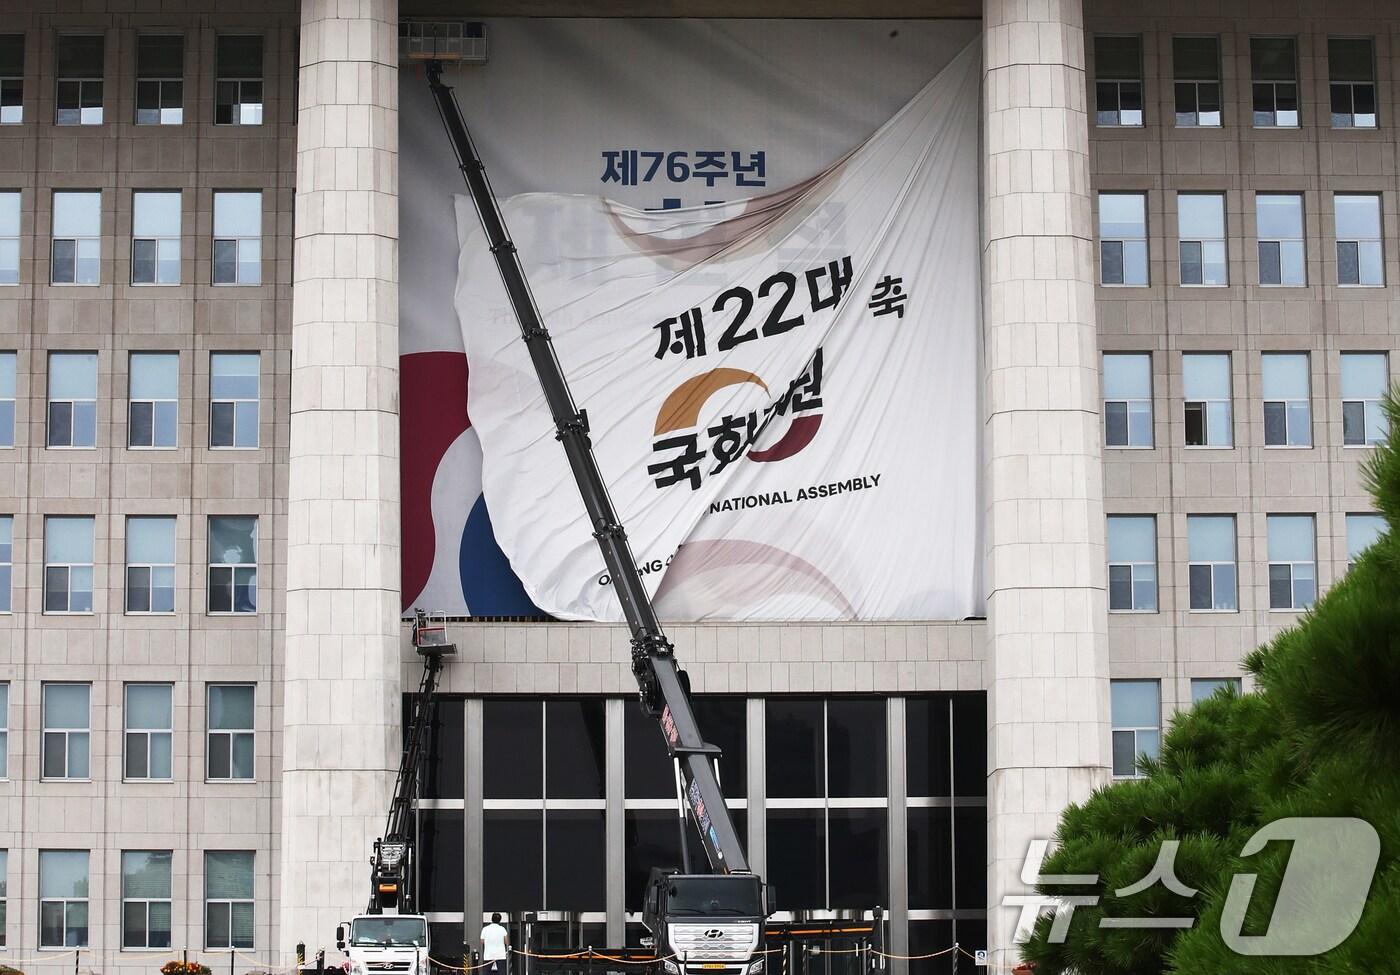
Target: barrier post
956,951
230,961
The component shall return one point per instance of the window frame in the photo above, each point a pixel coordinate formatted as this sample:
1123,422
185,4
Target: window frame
1238,683
82,81
76,240
1301,241
1118,84
229,733
1223,240
131,402
221,79
1135,730
1289,433
160,82
1346,527
69,567
232,568
1378,240
1369,405
67,903
150,568
4,746
228,903
1214,565
66,733
72,402
146,902
1134,568
1351,87
1204,404
157,241
1128,406
239,242
1123,241
1293,565
7,567
233,403
147,733
17,237
1194,84
12,96
1273,85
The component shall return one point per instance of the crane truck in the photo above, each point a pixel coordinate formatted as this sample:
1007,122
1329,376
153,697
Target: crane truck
710,923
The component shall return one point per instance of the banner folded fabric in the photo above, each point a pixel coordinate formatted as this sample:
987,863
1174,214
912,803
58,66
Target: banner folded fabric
782,391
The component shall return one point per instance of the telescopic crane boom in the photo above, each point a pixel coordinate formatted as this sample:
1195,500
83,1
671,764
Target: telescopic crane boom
661,683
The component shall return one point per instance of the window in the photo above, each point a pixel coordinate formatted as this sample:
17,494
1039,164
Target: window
1358,219
150,564
155,237
1287,413
149,729
1123,239
79,73
1206,381
1211,572
233,564
1136,707
153,404
4,892
1351,67
1196,70
1292,563
238,94
1273,63
72,399
1204,687
1282,252
7,563
1363,530
68,564
7,399
77,237
4,769
1132,563
1127,399
11,102
145,898
9,237
1201,230
233,399
230,732
228,899
1118,80
67,729
63,898
160,86
238,238
1365,379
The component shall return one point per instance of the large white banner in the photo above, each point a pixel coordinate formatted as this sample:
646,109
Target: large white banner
696,111
782,391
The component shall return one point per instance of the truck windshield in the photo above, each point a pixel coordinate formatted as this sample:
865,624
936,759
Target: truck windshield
715,896
389,931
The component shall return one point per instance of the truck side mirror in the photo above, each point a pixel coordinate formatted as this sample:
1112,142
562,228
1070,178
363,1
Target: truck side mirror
340,937
770,900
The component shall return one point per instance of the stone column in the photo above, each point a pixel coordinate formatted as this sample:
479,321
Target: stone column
1047,611
342,735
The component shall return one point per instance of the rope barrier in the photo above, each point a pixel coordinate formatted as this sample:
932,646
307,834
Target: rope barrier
457,968
41,959
269,969
934,954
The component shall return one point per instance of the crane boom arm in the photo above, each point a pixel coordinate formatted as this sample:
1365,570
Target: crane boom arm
659,680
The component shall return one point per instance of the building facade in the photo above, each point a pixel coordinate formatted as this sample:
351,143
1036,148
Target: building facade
1190,263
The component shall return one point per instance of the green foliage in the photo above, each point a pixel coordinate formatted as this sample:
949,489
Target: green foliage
1319,737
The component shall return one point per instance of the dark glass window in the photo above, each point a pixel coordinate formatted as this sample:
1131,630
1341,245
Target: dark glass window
1273,63
238,85
1351,70
651,838
795,746
512,750
512,866
1117,80
78,68
649,770
442,852
972,935
160,86
928,746
797,857
931,858
855,747
575,748
970,744
927,937
444,764
858,847
11,79
970,848
1196,73
575,866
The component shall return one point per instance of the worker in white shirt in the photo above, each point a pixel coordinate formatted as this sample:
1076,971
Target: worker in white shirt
495,946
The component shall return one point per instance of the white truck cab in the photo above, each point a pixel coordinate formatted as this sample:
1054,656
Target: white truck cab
379,944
